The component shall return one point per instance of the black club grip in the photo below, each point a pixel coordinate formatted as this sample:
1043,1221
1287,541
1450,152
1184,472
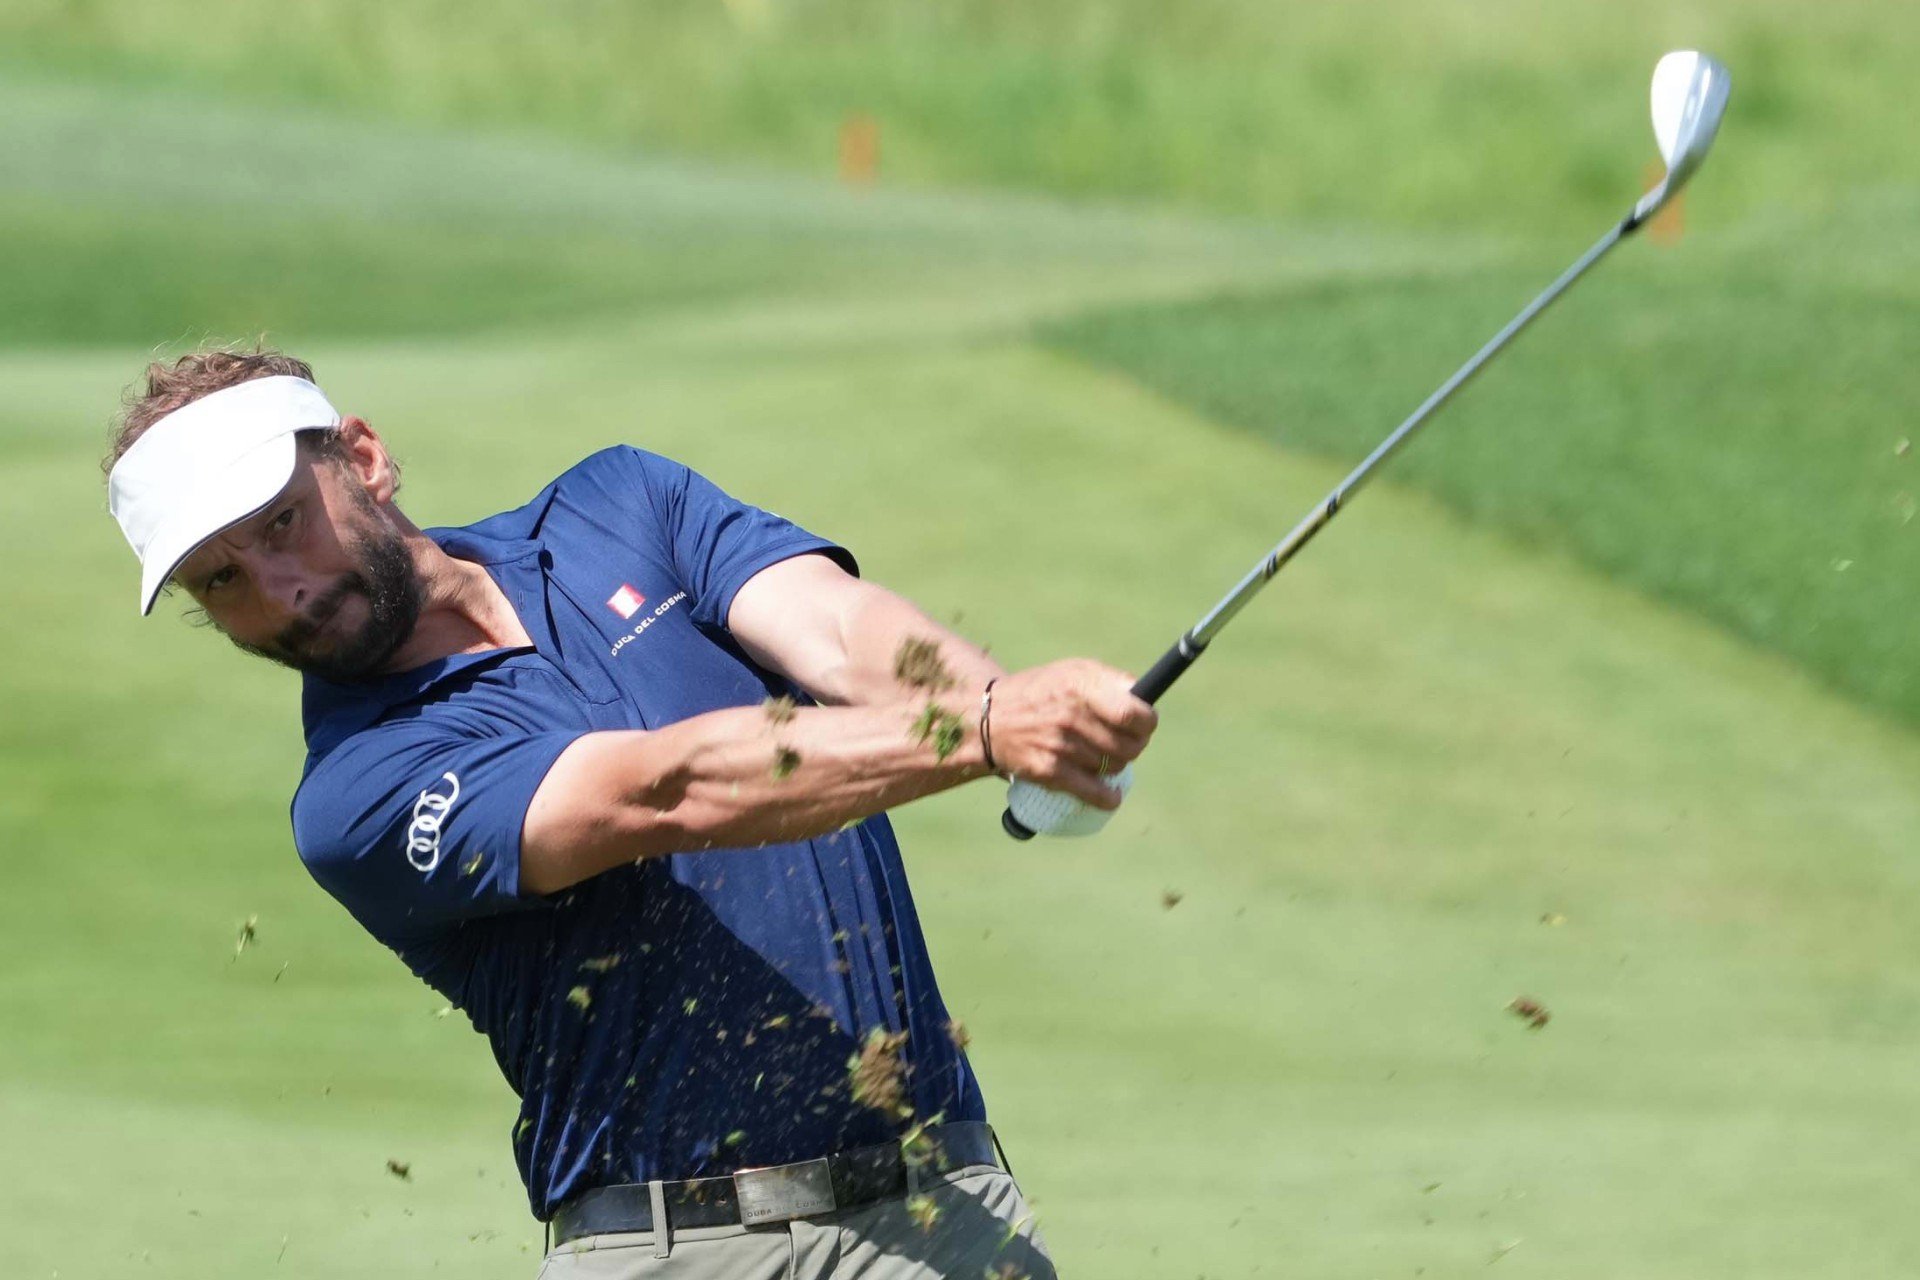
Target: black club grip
1160,677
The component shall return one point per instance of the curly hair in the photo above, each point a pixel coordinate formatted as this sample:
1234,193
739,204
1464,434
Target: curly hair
201,373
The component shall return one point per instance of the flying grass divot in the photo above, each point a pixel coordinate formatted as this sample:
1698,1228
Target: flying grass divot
249,933
877,1078
918,665
941,727
780,711
1531,1011
877,1075
924,1211
918,1152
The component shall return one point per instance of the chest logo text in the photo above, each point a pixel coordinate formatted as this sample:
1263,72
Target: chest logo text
654,615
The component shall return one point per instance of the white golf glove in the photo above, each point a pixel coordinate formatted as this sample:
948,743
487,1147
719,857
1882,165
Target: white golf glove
1057,813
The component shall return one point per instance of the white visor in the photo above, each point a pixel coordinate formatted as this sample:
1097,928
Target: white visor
207,465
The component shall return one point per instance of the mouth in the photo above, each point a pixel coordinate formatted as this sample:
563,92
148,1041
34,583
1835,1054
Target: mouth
301,633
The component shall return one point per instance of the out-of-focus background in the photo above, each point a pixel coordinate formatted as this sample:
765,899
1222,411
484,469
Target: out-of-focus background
1058,313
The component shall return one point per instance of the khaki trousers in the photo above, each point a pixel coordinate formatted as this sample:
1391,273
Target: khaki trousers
971,1225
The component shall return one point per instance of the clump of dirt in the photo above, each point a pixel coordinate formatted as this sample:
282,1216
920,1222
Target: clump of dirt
779,710
878,1076
957,1032
1532,1010
785,761
918,665
923,1211
400,1169
940,727
917,1147
1171,898
580,998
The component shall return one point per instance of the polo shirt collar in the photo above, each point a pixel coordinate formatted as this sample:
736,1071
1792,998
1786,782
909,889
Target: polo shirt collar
332,710
473,542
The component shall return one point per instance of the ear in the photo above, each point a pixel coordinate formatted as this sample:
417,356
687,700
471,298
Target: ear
368,461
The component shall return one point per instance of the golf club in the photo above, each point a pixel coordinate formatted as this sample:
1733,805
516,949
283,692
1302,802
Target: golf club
1689,96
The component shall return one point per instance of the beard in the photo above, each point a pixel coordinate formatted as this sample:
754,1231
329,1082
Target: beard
387,581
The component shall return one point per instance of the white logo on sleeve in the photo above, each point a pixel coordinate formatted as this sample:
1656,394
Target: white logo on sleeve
429,815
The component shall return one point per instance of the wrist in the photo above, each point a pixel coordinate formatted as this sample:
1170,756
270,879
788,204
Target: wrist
948,726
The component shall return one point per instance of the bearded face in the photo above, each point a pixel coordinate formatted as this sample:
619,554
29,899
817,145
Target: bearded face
320,580
363,617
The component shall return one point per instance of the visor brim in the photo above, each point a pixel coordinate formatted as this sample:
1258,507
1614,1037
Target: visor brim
241,489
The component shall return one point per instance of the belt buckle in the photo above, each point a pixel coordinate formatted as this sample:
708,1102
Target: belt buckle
784,1192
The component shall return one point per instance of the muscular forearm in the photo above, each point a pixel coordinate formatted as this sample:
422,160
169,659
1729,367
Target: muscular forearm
851,643
733,779
892,649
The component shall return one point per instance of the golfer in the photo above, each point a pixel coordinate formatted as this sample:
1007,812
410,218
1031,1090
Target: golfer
609,771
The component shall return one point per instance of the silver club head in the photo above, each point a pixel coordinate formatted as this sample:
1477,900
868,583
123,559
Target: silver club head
1689,97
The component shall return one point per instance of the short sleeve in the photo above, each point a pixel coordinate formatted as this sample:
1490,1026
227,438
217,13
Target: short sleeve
718,542
416,825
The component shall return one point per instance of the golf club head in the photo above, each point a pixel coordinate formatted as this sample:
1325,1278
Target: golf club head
1689,97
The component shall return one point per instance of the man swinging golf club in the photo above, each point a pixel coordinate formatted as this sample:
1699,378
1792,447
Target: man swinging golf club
609,770
540,748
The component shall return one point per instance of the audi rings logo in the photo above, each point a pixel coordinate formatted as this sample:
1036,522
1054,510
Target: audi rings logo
429,815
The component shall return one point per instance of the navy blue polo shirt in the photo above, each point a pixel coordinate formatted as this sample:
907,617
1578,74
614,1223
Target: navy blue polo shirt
678,1018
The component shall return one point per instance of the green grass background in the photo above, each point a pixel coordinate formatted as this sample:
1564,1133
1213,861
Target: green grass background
1445,764
1489,112
1703,425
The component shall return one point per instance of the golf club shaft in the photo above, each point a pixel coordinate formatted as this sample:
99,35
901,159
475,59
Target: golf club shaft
1185,651
1188,648
1689,97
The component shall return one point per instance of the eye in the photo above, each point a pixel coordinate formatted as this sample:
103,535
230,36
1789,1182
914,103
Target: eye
282,520
220,578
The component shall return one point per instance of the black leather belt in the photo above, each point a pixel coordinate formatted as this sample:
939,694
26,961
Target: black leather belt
754,1197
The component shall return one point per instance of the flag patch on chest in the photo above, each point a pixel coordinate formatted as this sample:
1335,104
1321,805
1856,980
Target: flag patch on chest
626,601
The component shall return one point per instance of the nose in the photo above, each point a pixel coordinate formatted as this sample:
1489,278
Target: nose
284,586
